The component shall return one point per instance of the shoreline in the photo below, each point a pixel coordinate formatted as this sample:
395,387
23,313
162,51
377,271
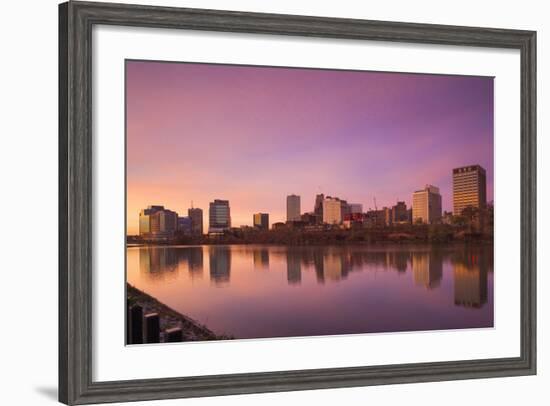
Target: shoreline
170,318
402,234
403,243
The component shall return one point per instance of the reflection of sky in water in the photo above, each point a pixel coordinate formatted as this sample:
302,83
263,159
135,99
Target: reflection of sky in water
274,291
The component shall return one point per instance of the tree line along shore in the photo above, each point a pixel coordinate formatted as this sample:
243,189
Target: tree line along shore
418,233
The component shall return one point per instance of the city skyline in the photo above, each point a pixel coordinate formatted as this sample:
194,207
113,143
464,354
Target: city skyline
469,190
254,135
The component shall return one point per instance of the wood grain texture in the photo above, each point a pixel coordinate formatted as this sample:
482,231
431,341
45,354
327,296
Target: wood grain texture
76,20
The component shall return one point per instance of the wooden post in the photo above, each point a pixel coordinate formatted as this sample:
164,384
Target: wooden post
128,323
135,324
152,328
173,335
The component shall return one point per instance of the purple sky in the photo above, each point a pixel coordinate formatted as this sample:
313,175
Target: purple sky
253,135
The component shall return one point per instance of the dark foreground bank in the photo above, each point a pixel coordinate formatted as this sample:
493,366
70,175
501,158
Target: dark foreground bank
191,330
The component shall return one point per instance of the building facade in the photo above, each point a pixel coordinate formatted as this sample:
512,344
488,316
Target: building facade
374,218
388,216
469,188
356,208
219,216
261,221
293,208
426,205
156,222
185,225
318,208
332,210
345,209
399,213
196,220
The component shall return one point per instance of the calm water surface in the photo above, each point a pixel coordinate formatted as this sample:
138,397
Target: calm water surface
276,291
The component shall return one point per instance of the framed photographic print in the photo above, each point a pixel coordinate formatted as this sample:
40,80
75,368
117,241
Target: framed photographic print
257,202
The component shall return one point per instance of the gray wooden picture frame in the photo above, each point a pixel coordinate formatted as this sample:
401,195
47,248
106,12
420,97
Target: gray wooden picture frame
76,20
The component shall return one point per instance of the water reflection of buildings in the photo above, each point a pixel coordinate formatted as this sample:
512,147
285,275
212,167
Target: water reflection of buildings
335,266
470,281
319,265
195,261
261,258
220,264
332,264
397,260
293,267
427,269
157,261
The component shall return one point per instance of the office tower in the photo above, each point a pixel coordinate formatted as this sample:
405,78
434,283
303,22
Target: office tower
261,221
388,216
219,216
345,210
356,208
293,208
185,225
318,208
427,205
156,222
196,220
145,219
399,213
469,188
332,210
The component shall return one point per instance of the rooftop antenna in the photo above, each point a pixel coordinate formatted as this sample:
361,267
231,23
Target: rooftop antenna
375,208
191,203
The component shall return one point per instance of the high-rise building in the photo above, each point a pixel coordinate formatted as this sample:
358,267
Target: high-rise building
427,205
156,222
293,208
399,213
388,216
185,225
219,216
375,218
196,220
261,221
469,188
345,209
318,208
332,210
356,208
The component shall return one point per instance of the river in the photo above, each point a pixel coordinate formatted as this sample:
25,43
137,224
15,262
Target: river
259,291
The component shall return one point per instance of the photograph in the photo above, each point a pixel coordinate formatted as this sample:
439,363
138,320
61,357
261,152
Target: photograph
270,201
256,202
